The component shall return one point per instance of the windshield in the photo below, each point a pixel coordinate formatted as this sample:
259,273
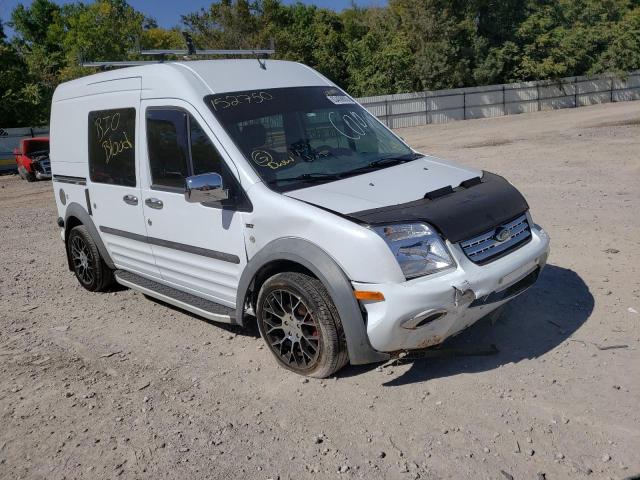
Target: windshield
296,136
37,146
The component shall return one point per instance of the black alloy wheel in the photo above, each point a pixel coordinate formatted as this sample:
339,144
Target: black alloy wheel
300,324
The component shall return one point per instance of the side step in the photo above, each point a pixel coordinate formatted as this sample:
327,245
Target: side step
185,301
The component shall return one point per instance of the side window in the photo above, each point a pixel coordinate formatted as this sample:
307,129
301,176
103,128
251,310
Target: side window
204,156
178,148
111,146
168,146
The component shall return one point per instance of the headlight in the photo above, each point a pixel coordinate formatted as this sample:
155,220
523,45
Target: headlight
417,248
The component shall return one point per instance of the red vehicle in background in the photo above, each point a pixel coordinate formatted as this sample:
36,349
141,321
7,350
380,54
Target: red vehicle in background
32,158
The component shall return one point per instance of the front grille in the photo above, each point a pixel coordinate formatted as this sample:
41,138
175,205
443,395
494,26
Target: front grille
44,166
486,247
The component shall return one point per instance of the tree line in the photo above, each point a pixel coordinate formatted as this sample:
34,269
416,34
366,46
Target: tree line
409,45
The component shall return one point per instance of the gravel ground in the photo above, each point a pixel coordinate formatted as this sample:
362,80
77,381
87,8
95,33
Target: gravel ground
108,385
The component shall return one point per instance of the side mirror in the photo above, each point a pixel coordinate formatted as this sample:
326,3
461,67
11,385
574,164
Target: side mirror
16,151
206,187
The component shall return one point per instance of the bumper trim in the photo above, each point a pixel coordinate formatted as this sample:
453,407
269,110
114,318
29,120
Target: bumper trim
509,292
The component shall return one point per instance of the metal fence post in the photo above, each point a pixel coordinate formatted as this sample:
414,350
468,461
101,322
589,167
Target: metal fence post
611,89
386,113
464,105
426,109
504,102
538,95
575,92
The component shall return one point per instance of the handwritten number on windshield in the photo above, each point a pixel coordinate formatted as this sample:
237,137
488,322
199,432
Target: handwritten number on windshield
229,101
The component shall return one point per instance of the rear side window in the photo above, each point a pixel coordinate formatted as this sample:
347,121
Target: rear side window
178,148
111,146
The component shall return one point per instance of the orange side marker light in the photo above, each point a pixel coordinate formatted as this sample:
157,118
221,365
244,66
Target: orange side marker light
364,295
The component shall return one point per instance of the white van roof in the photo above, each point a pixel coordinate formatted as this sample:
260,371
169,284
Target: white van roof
199,77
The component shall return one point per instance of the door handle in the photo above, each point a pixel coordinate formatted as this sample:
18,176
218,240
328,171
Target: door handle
154,203
130,199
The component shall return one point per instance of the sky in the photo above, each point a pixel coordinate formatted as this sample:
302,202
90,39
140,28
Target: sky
167,13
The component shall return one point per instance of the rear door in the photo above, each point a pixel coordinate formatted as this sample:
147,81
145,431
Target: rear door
113,187
198,248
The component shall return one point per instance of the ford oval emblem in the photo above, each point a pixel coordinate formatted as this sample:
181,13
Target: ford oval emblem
502,234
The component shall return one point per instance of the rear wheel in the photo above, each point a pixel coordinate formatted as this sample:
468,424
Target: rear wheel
89,267
301,325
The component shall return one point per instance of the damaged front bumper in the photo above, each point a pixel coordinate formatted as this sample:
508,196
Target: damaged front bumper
425,311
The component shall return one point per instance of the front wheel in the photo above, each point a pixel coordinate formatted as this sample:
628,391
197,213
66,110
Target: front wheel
300,323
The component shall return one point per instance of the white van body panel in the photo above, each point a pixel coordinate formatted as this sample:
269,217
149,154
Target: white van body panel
107,201
192,224
69,154
237,75
390,186
276,216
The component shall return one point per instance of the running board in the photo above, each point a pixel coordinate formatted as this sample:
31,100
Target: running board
185,301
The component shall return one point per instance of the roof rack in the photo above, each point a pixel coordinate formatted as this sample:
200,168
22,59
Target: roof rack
190,51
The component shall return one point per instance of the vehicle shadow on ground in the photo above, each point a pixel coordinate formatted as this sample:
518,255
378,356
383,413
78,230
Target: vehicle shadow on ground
529,326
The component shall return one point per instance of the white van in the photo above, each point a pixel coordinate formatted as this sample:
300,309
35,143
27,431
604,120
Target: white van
237,188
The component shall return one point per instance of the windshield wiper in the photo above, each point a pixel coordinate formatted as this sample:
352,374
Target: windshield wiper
320,177
383,163
307,178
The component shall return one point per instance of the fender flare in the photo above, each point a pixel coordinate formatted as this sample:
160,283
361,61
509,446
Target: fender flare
333,278
76,210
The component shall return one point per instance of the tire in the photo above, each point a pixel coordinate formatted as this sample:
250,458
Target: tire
301,326
88,266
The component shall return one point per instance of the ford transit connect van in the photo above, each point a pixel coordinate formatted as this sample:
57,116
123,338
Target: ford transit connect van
236,189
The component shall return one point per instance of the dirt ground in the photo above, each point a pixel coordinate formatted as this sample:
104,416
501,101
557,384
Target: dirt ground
116,385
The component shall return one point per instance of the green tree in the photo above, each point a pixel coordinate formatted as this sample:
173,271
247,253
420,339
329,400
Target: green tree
441,34
159,38
623,51
379,57
34,56
567,37
224,25
32,24
20,100
407,46
103,30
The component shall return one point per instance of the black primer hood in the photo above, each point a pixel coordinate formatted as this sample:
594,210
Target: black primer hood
459,213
